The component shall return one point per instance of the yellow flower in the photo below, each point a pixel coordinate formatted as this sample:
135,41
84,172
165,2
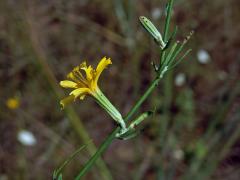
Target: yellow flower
87,84
12,103
83,84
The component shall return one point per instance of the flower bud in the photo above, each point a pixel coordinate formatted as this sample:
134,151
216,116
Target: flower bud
152,30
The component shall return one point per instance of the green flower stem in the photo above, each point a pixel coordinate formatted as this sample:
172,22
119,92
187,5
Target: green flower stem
111,137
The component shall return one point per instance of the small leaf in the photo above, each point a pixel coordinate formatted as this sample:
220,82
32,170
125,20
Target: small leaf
139,119
56,172
169,58
180,59
169,42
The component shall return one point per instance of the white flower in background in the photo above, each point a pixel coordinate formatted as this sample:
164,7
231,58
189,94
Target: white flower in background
26,138
203,56
180,79
178,154
156,13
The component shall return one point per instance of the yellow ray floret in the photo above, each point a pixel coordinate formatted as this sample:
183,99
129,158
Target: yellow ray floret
83,80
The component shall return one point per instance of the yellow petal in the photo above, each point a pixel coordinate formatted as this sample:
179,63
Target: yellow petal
66,101
72,77
101,66
68,84
89,72
83,64
80,92
82,97
76,72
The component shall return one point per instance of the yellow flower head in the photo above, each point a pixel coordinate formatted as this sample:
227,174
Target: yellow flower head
83,84
12,103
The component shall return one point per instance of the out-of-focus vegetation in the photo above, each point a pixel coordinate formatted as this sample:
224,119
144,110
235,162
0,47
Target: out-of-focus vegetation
195,130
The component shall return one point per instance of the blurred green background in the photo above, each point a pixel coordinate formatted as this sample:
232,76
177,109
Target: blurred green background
195,131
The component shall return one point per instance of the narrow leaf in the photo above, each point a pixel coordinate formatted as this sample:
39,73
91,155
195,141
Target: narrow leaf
56,172
180,60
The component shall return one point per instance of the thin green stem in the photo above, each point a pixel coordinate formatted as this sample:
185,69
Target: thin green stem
167,24
168,19
169,56
98,153
143,98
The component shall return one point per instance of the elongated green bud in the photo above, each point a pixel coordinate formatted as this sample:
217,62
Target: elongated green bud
152,30
140,118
